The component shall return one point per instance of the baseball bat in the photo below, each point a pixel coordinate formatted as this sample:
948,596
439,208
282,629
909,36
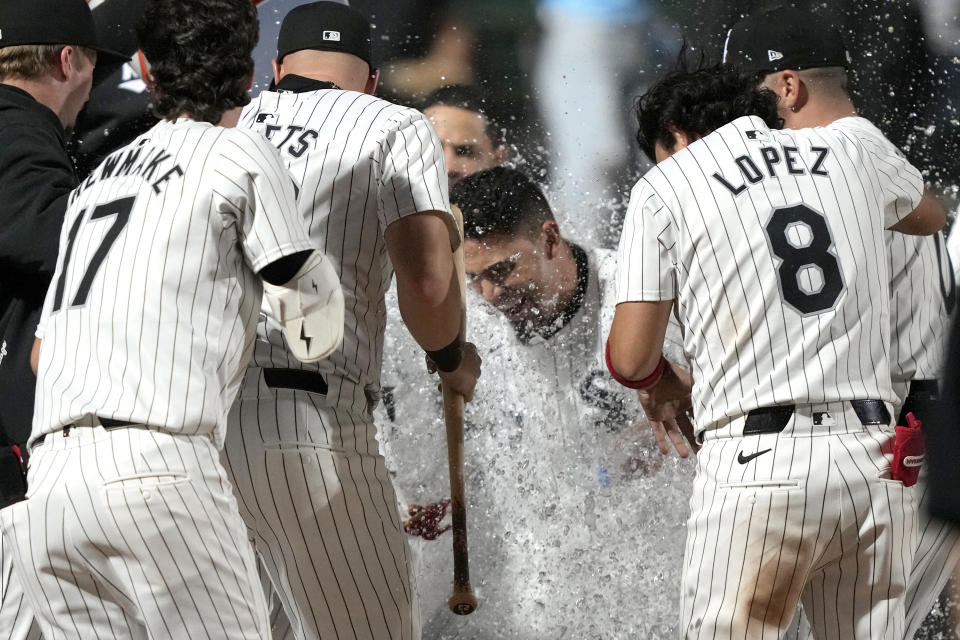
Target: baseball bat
462,602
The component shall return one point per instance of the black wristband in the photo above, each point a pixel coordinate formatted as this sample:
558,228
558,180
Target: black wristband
448,358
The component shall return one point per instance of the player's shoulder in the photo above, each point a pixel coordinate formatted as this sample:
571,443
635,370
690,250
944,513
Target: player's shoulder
653,190
379,112
248,148
862,130
244,137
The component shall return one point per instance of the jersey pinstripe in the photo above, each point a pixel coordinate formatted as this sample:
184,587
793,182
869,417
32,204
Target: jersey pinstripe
700,230
923,295
158,329
361,163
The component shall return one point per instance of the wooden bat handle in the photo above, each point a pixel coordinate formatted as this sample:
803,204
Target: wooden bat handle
462,602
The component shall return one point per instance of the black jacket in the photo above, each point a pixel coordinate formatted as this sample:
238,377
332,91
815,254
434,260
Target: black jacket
36,176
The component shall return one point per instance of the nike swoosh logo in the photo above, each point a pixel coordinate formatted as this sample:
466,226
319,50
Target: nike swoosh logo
742,459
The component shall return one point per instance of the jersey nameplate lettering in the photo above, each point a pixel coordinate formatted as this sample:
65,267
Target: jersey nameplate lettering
785,160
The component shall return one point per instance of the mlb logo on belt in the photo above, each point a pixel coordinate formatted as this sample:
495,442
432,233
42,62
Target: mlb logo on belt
333,36
773,55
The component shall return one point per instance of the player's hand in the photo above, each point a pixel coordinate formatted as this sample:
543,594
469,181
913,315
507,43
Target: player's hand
463,379
667,406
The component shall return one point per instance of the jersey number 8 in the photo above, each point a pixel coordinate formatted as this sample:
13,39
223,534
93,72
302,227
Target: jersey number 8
810,277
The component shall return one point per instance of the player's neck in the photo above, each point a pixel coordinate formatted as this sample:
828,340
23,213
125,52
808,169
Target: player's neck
818,114
564,285
45,91
343,80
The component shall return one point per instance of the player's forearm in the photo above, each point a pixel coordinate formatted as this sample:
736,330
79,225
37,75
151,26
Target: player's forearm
636,337
928,218
431,316
428,293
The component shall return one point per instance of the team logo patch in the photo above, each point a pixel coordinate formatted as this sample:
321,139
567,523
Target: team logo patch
771,54
823,419
333,36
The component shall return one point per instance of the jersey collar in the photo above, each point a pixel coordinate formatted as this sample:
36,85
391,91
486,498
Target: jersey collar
299,84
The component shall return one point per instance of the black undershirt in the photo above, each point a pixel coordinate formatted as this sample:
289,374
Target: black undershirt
298,84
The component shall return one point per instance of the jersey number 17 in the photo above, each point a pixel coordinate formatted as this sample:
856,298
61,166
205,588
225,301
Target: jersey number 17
120,208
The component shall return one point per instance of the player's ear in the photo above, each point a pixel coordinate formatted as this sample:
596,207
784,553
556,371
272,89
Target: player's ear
276,70
65,63
550,236
372,80
789,88
681,140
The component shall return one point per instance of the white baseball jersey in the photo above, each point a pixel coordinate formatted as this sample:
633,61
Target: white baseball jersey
771,243
362,163
152,311
923,295
560,479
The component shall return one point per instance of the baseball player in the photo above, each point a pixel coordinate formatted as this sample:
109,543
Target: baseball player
770,244
130,528
810,59
48,51
302,446
556,455
471,139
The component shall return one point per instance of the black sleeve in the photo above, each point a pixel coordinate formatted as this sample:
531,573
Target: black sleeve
36,177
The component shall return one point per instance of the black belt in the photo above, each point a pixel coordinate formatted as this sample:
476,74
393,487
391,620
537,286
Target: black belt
299,379
775,419
106,423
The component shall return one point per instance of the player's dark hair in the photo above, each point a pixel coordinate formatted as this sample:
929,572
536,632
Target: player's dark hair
200,55
467,97
697,101
500,202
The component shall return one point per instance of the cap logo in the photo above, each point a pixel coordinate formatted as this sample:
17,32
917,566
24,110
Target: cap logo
773,55
333,36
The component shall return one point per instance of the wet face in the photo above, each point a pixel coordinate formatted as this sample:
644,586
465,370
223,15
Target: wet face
466,146
511,273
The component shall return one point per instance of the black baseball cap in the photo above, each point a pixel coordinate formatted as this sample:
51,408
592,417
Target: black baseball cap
326,26
783,38
50,22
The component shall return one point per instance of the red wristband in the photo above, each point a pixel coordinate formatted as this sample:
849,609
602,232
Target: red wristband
645,383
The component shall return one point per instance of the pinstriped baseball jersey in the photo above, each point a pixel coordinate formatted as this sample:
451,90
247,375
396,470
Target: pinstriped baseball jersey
746,212
923,295
922,291
152,311
362,163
